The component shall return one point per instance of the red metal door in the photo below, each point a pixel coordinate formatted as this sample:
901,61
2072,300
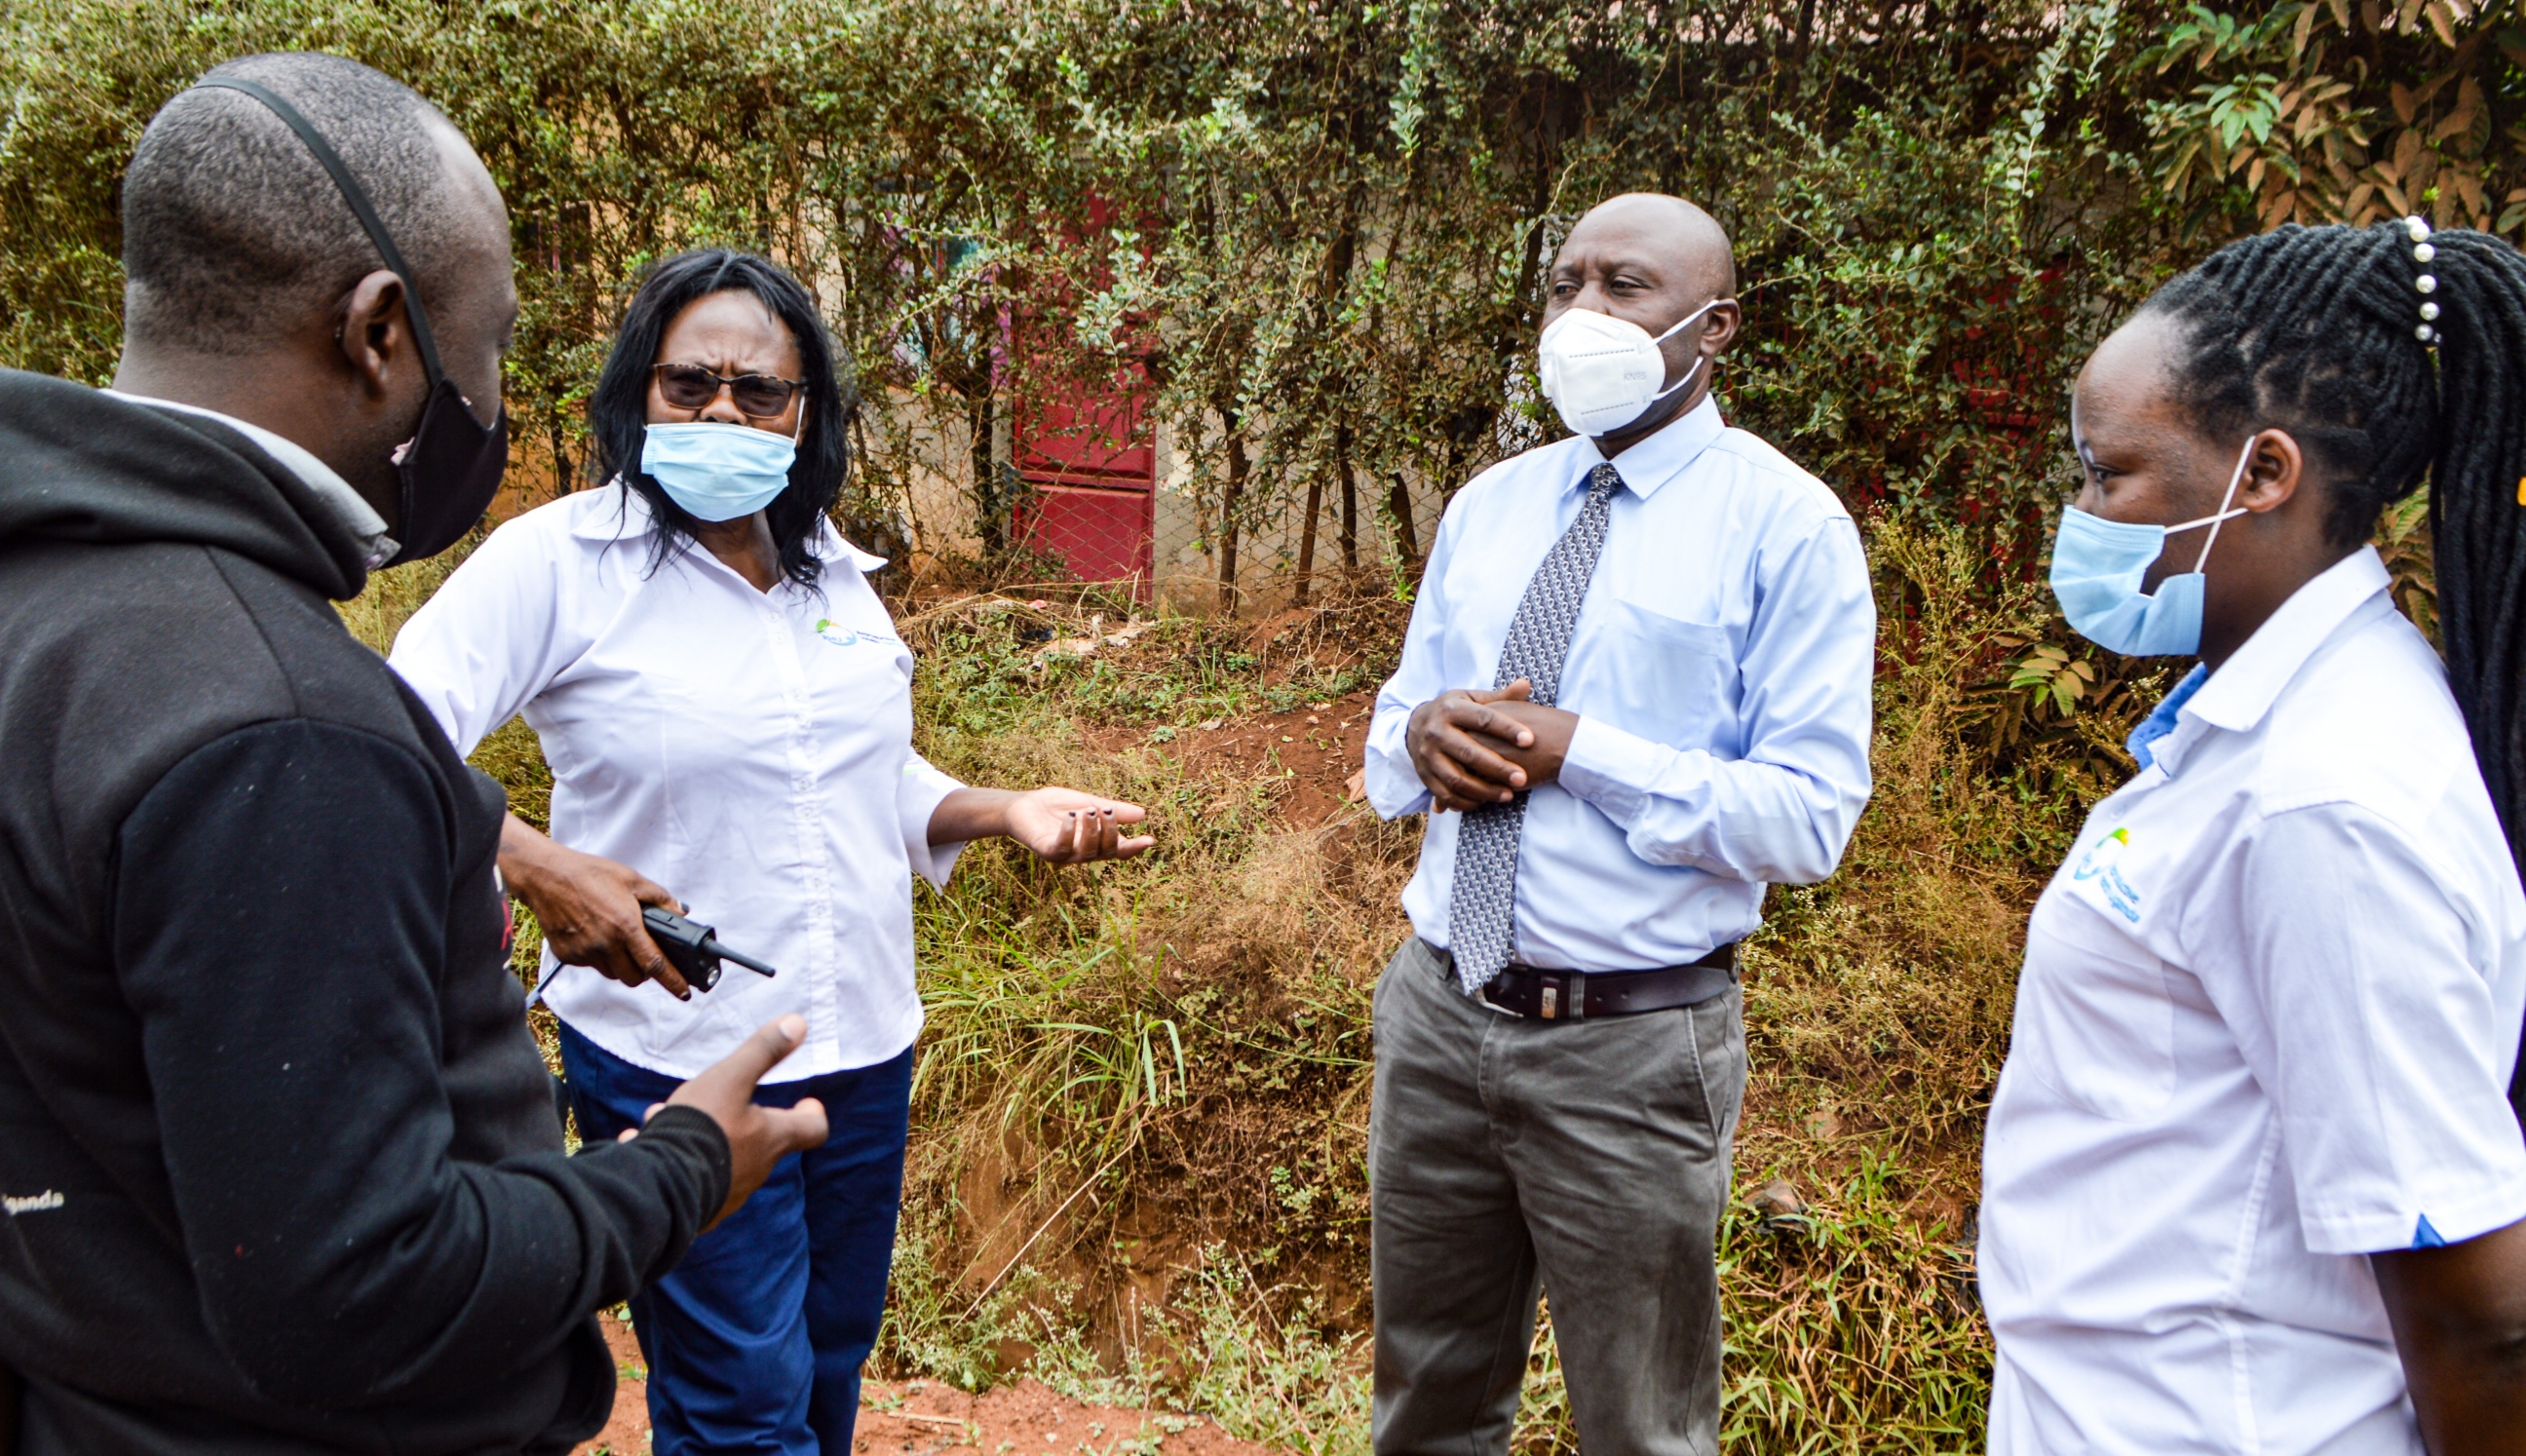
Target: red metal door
1094,469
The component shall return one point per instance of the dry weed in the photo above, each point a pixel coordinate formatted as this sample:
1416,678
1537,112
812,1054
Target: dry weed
1139,1146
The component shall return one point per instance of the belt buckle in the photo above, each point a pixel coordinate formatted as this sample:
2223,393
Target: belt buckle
1561,996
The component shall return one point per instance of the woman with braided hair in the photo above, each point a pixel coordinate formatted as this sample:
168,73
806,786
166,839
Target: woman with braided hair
2252,1182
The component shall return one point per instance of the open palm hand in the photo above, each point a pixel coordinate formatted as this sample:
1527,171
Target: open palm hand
1066,827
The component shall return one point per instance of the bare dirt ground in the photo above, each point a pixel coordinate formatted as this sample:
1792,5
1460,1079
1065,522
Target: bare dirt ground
923,1418
626,1434
1317,745
1315,749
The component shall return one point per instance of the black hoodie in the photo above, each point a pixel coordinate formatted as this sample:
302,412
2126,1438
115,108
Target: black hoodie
281,1167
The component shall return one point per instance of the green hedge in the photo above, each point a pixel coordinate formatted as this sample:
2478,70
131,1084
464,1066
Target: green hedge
1318,226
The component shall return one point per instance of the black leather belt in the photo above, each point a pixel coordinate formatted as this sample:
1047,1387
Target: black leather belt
1577,995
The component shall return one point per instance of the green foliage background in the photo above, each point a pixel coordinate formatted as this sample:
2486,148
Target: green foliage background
1318,225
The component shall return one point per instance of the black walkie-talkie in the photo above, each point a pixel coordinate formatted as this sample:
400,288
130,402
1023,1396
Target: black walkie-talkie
693,948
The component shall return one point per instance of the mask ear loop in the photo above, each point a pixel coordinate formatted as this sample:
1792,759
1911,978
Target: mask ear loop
2236,479
1698,359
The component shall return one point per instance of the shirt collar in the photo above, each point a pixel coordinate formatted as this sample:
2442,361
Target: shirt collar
1666,453
2161,719
830,543
354,513
2238,695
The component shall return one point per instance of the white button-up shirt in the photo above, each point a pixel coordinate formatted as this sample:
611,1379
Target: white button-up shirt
2265,1026
1720,669
751,751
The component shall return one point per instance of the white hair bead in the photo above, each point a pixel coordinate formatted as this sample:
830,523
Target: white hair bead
2426,335
2423,252
2430,312
2416,228
2426,283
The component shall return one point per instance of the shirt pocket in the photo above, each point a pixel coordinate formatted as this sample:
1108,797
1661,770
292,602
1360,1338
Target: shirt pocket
2096,1020
1662,677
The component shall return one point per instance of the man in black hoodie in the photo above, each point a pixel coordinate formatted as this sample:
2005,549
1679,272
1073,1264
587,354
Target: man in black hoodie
281,1163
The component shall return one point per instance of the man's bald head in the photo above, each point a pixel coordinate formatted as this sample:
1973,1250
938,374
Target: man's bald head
1670,229
234,237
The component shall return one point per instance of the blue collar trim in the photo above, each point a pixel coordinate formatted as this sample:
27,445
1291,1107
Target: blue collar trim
2160,720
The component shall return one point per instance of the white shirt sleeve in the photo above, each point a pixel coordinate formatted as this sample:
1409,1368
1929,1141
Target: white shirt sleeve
1783,812
1395,787
917,800
495,635
2351,975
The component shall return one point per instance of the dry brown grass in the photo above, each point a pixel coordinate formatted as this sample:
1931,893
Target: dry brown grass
1878,1003
1878,1008
1138,1151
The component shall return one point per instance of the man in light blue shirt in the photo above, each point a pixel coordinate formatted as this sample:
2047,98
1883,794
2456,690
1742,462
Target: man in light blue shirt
1634,692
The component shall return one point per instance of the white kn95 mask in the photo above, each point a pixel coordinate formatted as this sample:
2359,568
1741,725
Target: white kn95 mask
1603,372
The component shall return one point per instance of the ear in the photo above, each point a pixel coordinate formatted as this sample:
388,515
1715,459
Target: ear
1720,327
2274,472
374,335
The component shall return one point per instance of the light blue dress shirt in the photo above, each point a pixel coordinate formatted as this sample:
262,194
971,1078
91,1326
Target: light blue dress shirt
1720,670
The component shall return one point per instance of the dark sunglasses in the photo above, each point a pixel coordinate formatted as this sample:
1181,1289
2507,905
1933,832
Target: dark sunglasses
689,386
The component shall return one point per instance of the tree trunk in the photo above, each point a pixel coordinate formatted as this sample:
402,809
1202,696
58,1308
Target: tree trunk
565,473
1398,507
1350,499
990,500
1228,503
1307,535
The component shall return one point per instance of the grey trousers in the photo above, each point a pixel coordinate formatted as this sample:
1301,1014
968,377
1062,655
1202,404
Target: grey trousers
1591,1156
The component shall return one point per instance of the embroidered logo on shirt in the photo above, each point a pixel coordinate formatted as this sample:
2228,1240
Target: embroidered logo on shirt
43,1202
842,636
2102,863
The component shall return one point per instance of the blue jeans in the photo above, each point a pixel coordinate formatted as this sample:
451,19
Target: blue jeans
755,1340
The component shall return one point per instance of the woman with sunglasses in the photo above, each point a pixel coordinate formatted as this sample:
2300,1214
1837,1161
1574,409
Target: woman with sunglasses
726,710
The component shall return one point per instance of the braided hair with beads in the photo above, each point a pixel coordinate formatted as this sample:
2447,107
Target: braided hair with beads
2391,354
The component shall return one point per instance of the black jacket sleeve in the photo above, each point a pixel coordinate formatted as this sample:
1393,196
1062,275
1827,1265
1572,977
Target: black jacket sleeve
279,917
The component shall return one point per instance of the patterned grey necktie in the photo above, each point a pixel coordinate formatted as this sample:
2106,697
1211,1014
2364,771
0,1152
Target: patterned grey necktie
1482,906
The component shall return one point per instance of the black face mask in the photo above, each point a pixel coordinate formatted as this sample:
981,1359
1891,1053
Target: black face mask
452,468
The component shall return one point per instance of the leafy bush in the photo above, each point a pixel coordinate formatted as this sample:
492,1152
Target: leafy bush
1317,230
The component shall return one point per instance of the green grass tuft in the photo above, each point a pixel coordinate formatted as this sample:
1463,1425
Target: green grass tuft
1138,1158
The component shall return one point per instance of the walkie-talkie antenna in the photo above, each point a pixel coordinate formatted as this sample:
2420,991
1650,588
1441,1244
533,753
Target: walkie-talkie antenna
693,948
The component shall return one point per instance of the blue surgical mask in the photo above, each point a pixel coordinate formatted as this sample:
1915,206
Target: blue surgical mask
2098,565
719,471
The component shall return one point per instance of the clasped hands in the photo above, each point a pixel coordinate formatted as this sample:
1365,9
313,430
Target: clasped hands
1477,746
